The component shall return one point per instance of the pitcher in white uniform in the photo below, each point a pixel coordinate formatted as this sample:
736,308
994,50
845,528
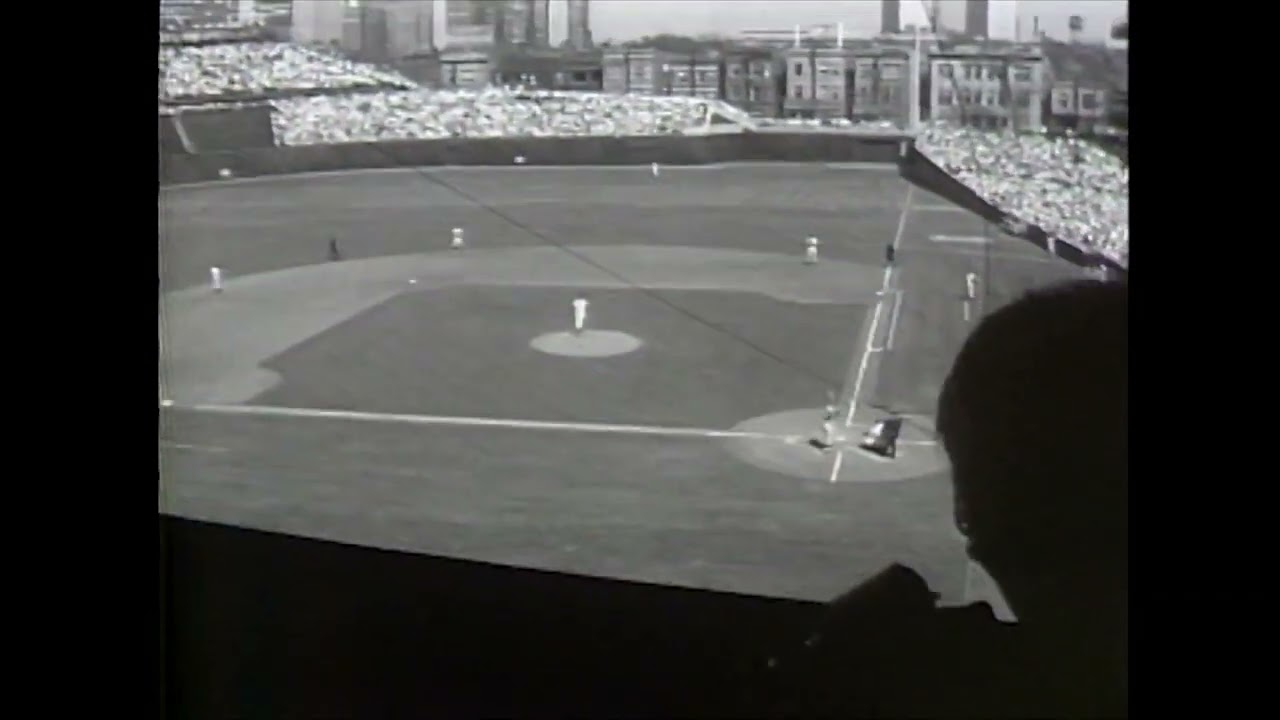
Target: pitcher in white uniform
811,251
215,279
579,315
457,242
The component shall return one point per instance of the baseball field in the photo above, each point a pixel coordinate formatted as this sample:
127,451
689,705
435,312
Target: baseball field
414,397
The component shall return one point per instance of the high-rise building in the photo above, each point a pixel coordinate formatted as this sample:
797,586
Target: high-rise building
992,19
890,16
540,34
479,23
469,23
579,24
977,14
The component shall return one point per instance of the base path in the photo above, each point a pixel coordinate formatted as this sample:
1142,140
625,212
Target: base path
216,343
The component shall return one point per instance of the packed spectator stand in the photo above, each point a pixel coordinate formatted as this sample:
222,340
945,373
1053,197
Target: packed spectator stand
258,69
495,112
1073,191
1068,187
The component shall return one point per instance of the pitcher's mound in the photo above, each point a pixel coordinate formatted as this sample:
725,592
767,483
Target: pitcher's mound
590,343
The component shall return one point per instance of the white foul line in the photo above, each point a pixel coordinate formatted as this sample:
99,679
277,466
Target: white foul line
356,172
198,448
875,323
510,423
893,320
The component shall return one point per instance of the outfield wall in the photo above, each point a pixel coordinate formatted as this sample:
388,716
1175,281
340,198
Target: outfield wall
668,150
251,159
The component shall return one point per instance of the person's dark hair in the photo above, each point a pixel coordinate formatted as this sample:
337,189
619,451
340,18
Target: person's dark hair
1034,418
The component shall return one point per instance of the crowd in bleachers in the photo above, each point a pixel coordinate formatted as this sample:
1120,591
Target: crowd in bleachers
495,112
263,68
1068,187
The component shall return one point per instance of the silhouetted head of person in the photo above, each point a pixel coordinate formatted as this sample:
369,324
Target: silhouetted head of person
1034,419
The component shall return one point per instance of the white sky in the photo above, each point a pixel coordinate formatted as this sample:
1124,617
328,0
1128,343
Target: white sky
629,19
626,19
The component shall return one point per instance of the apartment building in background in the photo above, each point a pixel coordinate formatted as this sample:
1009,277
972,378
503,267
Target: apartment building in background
649,71
988,85
820,82
473,24
881,85
755,80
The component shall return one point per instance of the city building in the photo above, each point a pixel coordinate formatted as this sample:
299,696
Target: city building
545,68
649,71
540,33
579,24
469,23
987,85
521,22
820,82
465,69
755,80
485,23
975,19
882,85
580,70
1088,84
891,16
697,74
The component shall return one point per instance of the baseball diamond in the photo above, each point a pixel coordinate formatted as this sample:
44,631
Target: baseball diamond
420,397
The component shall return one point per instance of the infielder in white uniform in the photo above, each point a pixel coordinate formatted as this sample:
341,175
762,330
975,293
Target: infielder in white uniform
457,242
829,422
215,279
970,286
811,251
579,315
655,169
